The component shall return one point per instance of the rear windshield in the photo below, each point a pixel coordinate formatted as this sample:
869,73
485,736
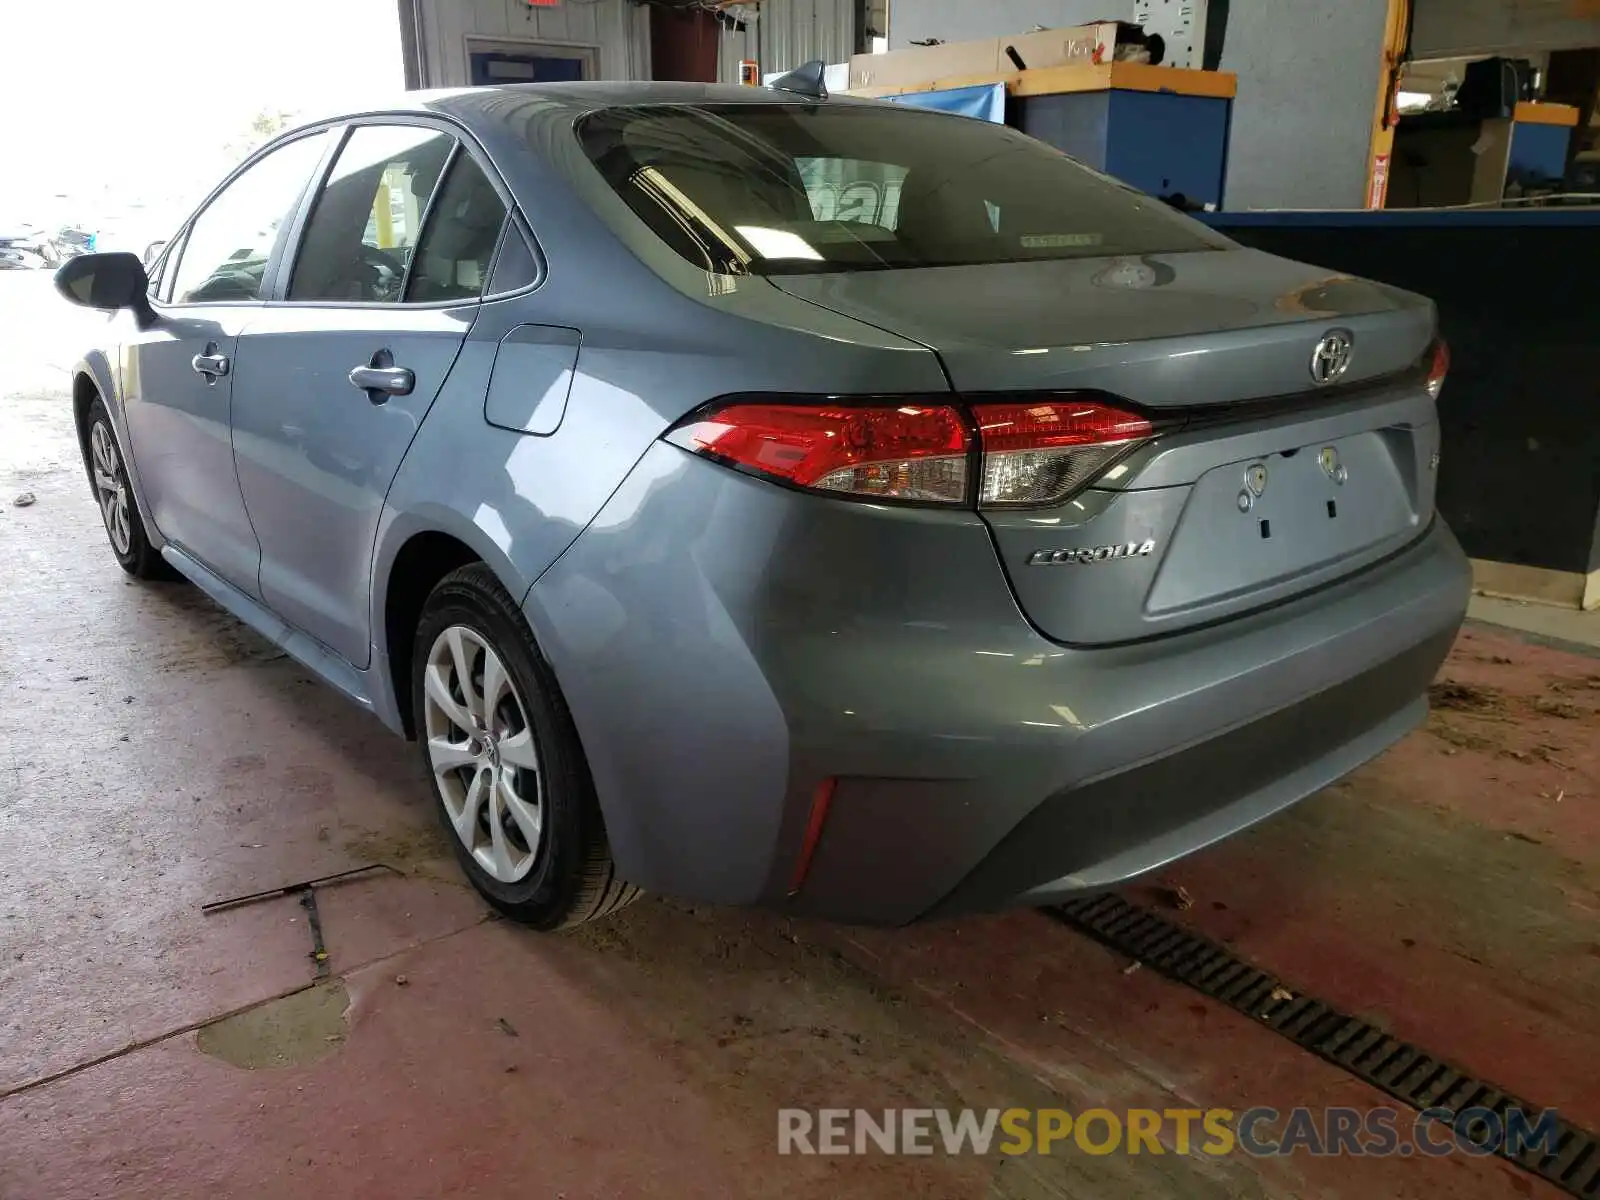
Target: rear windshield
779,189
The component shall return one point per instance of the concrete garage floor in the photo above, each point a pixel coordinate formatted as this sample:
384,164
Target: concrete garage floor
156,756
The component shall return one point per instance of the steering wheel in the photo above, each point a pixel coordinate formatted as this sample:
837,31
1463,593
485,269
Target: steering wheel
387,270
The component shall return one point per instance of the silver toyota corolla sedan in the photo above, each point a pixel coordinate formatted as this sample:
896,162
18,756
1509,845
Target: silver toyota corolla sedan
769,499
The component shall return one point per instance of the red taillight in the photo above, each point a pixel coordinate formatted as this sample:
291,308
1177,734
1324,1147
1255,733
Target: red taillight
1034,452
1042,452
910,450
1438,367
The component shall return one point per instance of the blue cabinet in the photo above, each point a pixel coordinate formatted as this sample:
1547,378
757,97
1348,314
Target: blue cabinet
1163,143
1538,153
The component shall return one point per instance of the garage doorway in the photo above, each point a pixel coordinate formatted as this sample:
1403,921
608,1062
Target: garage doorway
684,44
528,62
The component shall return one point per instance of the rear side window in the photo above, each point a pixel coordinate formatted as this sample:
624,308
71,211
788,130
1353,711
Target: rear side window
367,220
516,267
457,247
788,188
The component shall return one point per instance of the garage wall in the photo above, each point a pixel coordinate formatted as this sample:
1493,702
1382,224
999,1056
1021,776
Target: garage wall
735,46
618,30
1309,72
1458,28
781,34
793,32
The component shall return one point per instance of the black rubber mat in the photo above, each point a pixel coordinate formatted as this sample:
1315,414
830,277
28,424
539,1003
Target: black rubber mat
1404,1071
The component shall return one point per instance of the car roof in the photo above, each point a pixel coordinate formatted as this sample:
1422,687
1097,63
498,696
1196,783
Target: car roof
476,106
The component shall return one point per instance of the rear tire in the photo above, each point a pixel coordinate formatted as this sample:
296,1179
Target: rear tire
113,495
509,776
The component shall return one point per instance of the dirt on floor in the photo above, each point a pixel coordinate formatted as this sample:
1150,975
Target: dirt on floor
292,1031
1527,717
765,1014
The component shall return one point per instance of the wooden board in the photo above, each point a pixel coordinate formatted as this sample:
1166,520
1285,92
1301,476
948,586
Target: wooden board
1538,585
1055,81
1530,113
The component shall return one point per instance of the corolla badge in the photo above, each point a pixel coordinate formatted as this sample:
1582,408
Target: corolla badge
1092,554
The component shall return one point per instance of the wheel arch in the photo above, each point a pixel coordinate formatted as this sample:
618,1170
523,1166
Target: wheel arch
415,552
94,378
84,393
91,381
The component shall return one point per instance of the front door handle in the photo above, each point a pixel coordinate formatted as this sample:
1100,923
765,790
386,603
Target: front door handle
393,381
380,378
211,364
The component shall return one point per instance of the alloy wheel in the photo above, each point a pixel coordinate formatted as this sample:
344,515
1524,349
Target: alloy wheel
483,754
111,487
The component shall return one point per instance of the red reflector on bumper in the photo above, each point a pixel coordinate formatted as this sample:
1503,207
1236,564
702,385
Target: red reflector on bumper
821,799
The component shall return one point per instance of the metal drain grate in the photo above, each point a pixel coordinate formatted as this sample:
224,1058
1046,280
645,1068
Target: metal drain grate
1402,1070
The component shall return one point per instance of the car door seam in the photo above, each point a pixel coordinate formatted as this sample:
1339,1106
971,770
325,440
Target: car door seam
233,458
400,466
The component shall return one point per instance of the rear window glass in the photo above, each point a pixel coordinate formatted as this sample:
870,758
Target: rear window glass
784,188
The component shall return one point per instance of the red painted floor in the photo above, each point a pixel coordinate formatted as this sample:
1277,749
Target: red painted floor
154,757
1452,890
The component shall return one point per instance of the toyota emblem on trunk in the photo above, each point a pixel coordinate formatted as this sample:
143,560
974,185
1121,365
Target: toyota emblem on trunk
1331,358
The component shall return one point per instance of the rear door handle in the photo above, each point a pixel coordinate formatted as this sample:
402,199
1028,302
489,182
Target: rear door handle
380,378
211,364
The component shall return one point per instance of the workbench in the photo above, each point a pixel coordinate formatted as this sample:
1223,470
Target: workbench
1162,129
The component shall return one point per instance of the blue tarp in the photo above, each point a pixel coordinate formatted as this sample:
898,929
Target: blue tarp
987,102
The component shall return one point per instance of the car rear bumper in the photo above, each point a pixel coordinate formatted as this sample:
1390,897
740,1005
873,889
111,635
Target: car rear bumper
727,647
1091,836
1209,739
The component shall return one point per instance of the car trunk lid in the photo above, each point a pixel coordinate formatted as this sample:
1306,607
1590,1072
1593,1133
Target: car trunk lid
1258,484
1165,331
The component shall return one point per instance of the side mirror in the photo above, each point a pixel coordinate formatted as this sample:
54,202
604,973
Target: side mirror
106,281
153,252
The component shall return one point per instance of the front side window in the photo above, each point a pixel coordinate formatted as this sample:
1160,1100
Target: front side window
225,254
787,188
367,220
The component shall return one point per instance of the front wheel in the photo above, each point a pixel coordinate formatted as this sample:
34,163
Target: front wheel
509,775
108,476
